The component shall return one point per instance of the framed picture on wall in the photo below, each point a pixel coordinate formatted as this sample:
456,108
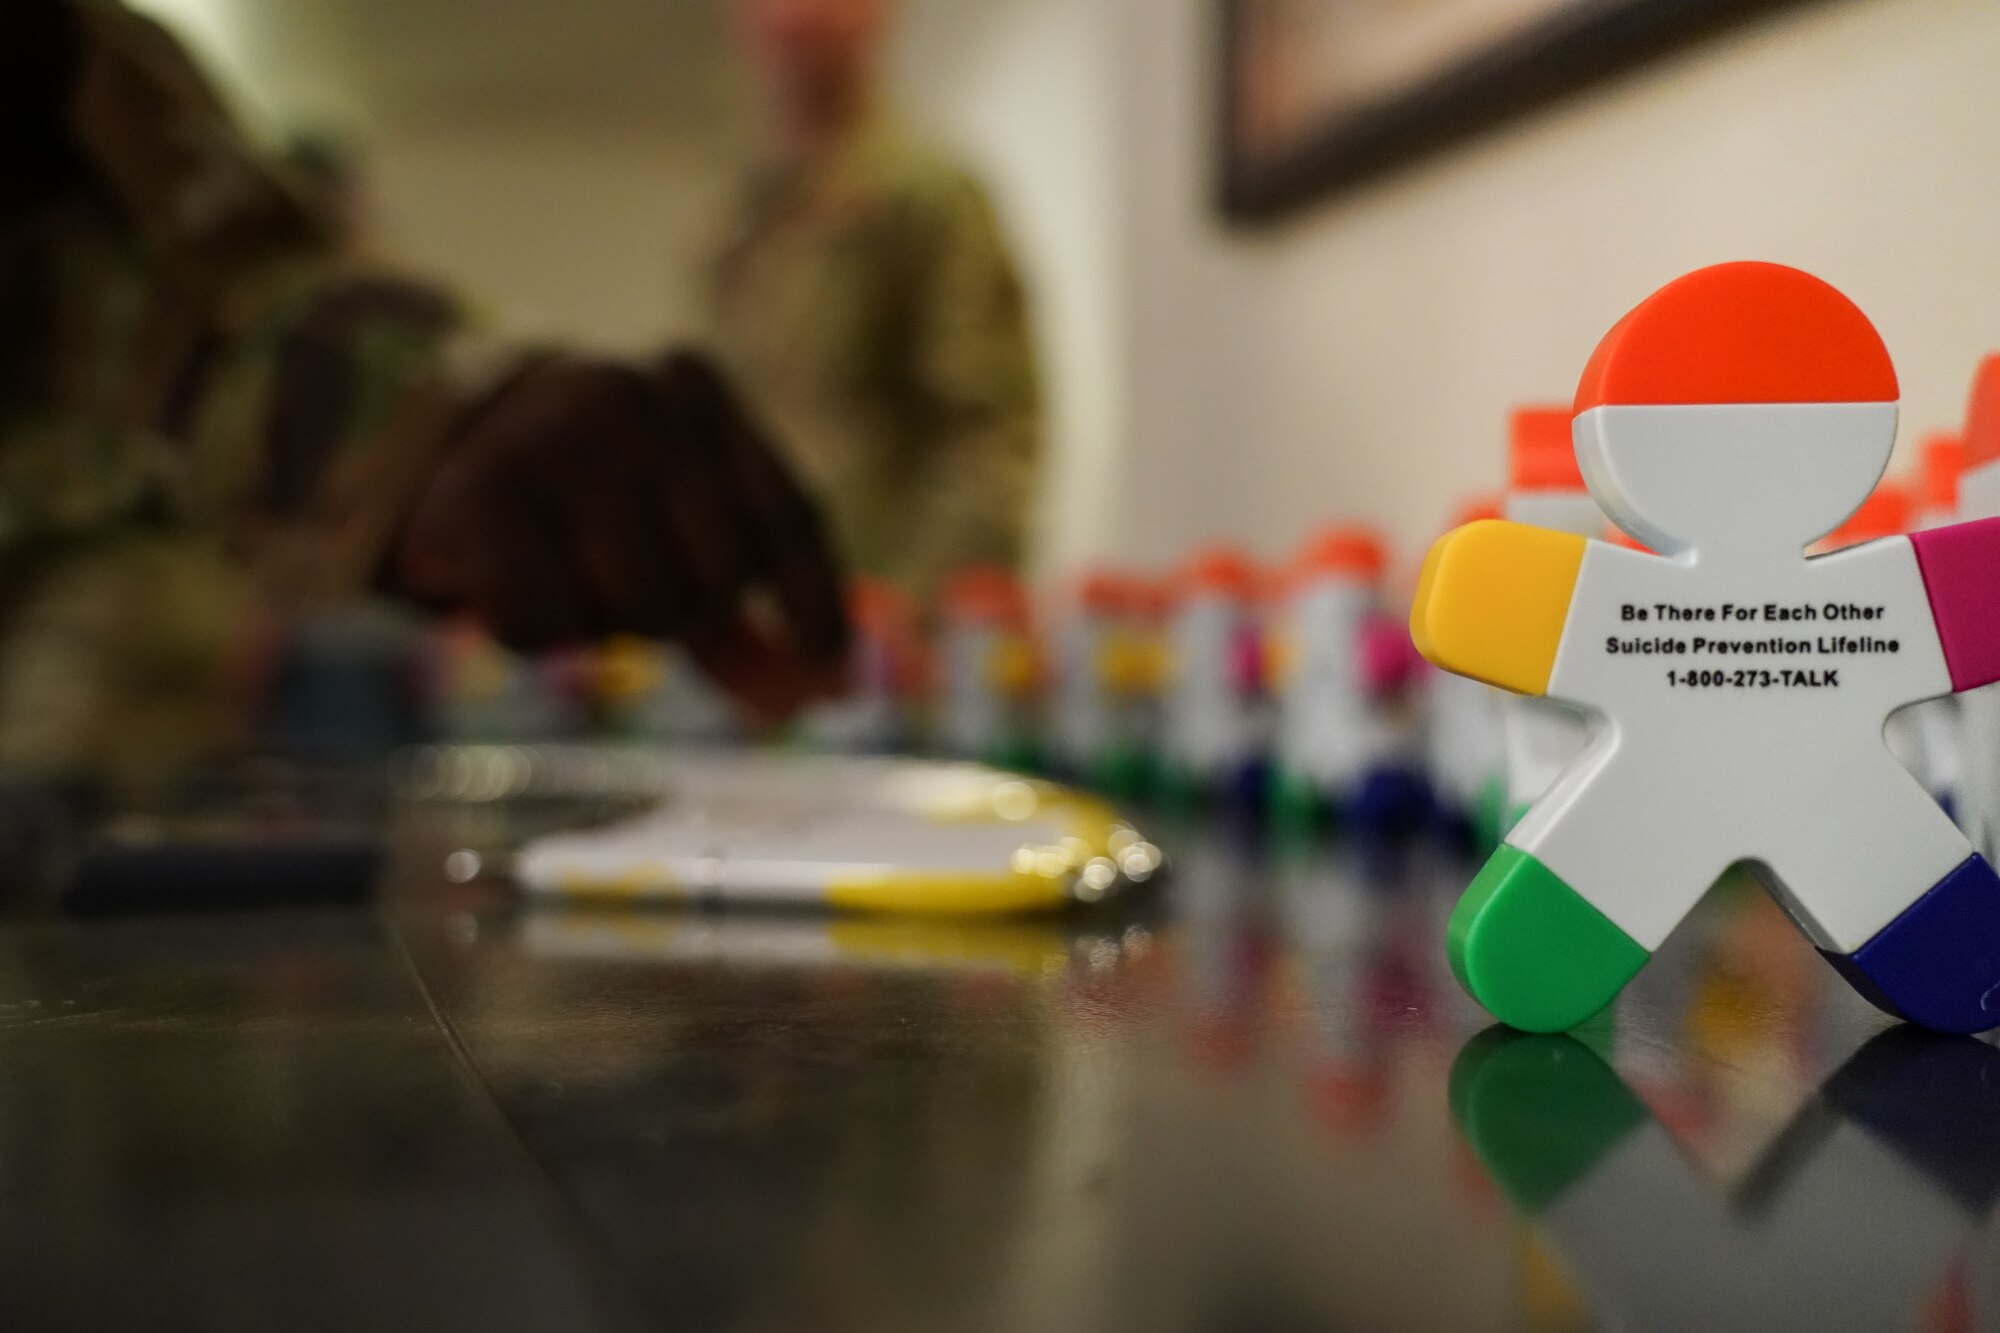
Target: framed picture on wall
1323,94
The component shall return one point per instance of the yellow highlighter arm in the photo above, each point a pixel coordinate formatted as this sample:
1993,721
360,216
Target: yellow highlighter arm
1493,600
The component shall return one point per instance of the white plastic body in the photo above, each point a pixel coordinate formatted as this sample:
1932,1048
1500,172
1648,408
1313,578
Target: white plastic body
1543,738
1979,710
1326,733
1979,491
1211,721
975,716
1682,781
873,717
1563,511
491,694
1465,746
1928,738
1084,721
685,706
1979,782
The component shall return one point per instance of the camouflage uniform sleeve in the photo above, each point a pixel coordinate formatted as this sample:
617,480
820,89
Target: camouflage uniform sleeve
270,477
976,383
320,425
224,419
283,398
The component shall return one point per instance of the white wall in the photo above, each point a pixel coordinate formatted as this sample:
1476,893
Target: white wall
1360,360
1027,91
599,231
570,168
595,234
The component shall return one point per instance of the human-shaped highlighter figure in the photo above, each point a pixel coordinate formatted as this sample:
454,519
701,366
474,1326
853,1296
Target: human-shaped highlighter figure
1738,415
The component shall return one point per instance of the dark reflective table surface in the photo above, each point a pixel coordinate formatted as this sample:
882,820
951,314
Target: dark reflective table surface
1257,1101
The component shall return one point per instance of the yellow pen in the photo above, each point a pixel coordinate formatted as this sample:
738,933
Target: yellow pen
849,834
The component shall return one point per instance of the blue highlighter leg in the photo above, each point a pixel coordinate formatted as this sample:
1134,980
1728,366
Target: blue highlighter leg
1938,964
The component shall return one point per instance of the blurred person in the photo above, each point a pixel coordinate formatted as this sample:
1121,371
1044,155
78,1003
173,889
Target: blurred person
871,307
210,421
323,169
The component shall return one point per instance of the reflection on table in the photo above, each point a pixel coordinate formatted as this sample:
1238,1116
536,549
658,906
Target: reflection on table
1251,1099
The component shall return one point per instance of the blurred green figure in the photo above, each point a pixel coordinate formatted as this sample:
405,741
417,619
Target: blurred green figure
213,419
871,308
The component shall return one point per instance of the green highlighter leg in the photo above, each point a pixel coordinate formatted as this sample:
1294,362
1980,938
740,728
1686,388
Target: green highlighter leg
1529,948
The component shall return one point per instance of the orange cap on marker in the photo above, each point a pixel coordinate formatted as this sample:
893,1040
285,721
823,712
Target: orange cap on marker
1740,333
1109,592
880,609
882,612
1982,415
1472,511
1151,597
1940,461
1617,536
1220,570
1887,512
1540,456
985,592
1348,551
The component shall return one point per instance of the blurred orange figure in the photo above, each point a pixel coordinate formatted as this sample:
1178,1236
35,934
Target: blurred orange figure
989,673
871,306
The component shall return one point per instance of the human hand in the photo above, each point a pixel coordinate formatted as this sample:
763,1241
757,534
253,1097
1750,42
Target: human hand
588,498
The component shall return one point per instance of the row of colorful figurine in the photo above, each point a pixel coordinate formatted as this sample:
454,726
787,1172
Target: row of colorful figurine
1224,679
1295,686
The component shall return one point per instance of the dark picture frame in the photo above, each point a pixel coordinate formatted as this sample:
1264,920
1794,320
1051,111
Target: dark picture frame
1577,43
